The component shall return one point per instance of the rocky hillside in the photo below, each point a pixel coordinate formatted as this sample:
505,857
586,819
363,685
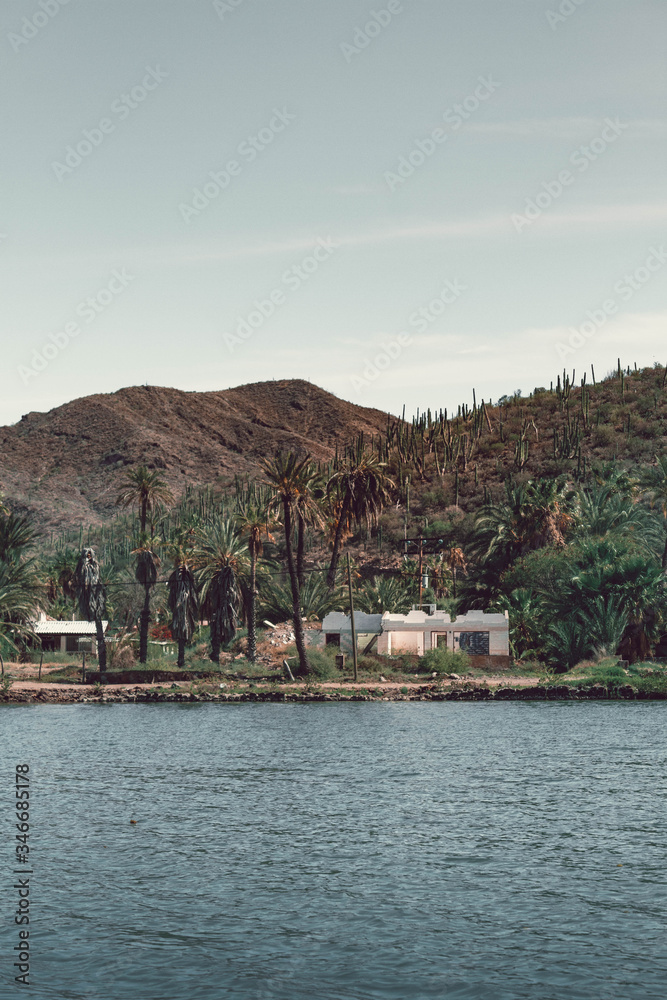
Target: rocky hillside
65,465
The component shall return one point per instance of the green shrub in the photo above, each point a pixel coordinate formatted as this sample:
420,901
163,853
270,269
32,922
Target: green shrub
444,661
322,664
369,664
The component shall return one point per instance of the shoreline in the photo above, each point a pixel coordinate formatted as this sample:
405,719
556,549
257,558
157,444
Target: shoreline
34,694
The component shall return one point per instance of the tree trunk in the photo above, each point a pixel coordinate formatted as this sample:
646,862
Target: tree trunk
664,558
181,653
144,623
144,511
300,551
304,666
252,632
335,555
215,644
101,646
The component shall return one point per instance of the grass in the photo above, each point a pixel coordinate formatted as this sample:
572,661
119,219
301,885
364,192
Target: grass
646,678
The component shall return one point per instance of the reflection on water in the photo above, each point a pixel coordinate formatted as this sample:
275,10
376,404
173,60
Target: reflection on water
341,851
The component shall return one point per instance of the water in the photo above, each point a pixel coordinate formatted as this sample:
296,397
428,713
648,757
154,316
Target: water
341,851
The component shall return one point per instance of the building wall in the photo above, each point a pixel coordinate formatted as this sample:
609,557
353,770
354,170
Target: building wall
405,642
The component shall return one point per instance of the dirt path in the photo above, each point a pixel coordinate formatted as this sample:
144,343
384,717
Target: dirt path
32,684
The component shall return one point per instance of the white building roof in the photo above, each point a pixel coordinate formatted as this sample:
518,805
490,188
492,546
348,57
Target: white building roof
66,628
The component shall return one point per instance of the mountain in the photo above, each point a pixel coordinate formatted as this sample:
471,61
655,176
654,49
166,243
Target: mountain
64,466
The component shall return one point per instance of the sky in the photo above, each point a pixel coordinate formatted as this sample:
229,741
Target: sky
400,201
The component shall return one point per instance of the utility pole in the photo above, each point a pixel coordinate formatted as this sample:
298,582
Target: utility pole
354,631
421,563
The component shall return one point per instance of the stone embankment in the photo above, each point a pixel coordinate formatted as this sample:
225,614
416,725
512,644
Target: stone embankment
428,692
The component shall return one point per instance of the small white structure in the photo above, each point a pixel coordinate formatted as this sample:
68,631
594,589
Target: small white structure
478,633
66,636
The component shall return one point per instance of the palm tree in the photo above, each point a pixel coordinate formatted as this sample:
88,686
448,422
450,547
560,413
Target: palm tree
455,560
255,522
61,576
308,512
526,612
17,534
612,568
146,571
182,597
604,620
315,599
533,515
218,557
284,477
384,593
19,582
146,490
91,595
19,602
364,489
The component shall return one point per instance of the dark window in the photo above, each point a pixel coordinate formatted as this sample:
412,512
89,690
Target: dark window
475,643
332,639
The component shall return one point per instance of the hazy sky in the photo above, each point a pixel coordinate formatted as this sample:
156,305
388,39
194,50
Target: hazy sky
399,201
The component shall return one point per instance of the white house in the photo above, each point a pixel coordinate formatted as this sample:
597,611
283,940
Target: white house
66,636
478,633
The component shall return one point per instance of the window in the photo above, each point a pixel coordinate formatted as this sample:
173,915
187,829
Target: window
440,640
332,639
475,643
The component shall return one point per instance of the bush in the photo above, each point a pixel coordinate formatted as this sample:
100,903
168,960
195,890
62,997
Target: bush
444,661
322,664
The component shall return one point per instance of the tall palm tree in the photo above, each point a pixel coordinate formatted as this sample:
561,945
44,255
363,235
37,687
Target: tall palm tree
255,522
284,477
455,560
308,512
218,557
145,490
182,597
146,571
91,595
364,489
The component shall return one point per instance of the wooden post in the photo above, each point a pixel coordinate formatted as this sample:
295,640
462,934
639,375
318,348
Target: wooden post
83,668
354,631
2,666
41,660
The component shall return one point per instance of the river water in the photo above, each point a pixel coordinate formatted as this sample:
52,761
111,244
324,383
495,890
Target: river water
341,851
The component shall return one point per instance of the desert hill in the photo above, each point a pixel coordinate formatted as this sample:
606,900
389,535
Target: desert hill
64,466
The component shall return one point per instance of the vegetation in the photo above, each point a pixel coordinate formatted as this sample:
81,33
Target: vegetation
552,508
